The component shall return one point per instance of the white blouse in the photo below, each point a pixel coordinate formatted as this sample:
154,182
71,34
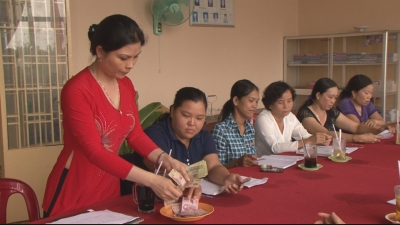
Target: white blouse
269,139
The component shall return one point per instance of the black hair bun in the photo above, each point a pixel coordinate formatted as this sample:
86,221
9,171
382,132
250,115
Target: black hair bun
91,31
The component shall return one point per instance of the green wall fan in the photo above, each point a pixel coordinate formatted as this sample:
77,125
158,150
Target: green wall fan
170,12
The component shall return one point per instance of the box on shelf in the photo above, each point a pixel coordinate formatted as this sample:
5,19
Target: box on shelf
391,86
377,85
391,115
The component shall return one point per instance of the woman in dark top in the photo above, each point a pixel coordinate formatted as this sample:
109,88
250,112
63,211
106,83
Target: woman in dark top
181,132
318,115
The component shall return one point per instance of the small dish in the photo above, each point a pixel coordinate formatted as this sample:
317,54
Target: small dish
167,212
392,218
319,166
338,160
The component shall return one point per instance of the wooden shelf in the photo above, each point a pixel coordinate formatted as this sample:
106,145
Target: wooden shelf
338,64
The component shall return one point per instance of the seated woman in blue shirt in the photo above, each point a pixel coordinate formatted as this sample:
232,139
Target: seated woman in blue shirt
181,131
234,134
355,102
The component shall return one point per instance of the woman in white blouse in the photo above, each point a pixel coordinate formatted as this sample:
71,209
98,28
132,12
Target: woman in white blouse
277,129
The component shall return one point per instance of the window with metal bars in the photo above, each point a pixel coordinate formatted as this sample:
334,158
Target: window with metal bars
34,68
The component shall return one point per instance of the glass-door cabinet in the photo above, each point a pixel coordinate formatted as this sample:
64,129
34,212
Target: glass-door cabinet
340,57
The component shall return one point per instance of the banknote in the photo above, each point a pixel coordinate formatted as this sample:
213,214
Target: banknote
177,177
193,183
176,208
189,204
197,170
192,213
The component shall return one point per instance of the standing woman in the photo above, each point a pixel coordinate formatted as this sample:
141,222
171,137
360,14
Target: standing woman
277,128
318,115
234,134
99,113
355,102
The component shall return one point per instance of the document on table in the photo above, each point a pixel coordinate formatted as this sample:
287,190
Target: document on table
279,161
253,181
209,188
385,134
392,202
99,217
327,150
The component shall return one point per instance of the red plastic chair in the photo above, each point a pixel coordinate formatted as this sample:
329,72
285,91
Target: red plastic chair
10,186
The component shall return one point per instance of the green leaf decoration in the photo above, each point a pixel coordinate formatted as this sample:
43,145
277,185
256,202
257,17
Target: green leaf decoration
150,113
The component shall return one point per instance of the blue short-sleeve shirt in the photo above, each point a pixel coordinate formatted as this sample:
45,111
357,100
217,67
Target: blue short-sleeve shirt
164,137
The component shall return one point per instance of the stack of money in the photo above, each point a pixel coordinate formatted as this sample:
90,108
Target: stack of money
196,173
188,208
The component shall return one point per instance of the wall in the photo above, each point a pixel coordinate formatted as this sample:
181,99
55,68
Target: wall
340,16
209,58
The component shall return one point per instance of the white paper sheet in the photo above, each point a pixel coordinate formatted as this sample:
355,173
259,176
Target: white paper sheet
327,151
279,162
254,182
286,157
385,134
209,188
392,202
97,217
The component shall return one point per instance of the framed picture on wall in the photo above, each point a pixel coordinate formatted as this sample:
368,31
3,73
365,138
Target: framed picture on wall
213,13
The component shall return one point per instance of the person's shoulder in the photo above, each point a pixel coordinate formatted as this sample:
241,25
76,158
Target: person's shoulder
370,105
291,117
158,128
126,81
333,112
303,110
221,125
263,116
344,102
79,82
205,135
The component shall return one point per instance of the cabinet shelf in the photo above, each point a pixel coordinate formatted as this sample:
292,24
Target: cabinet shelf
300,91
340,57
339,64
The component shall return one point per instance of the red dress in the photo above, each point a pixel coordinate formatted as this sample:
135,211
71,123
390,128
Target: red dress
94,131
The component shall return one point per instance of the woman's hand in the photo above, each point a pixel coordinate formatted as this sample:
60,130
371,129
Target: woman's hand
329,219
233,183
247,160
165,189
370,122
390,128
367,138
170,163
193,192
319,139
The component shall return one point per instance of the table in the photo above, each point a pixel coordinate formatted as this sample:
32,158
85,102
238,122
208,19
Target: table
357,191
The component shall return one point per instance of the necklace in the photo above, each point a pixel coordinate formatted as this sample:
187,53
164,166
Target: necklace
316,114
116,106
